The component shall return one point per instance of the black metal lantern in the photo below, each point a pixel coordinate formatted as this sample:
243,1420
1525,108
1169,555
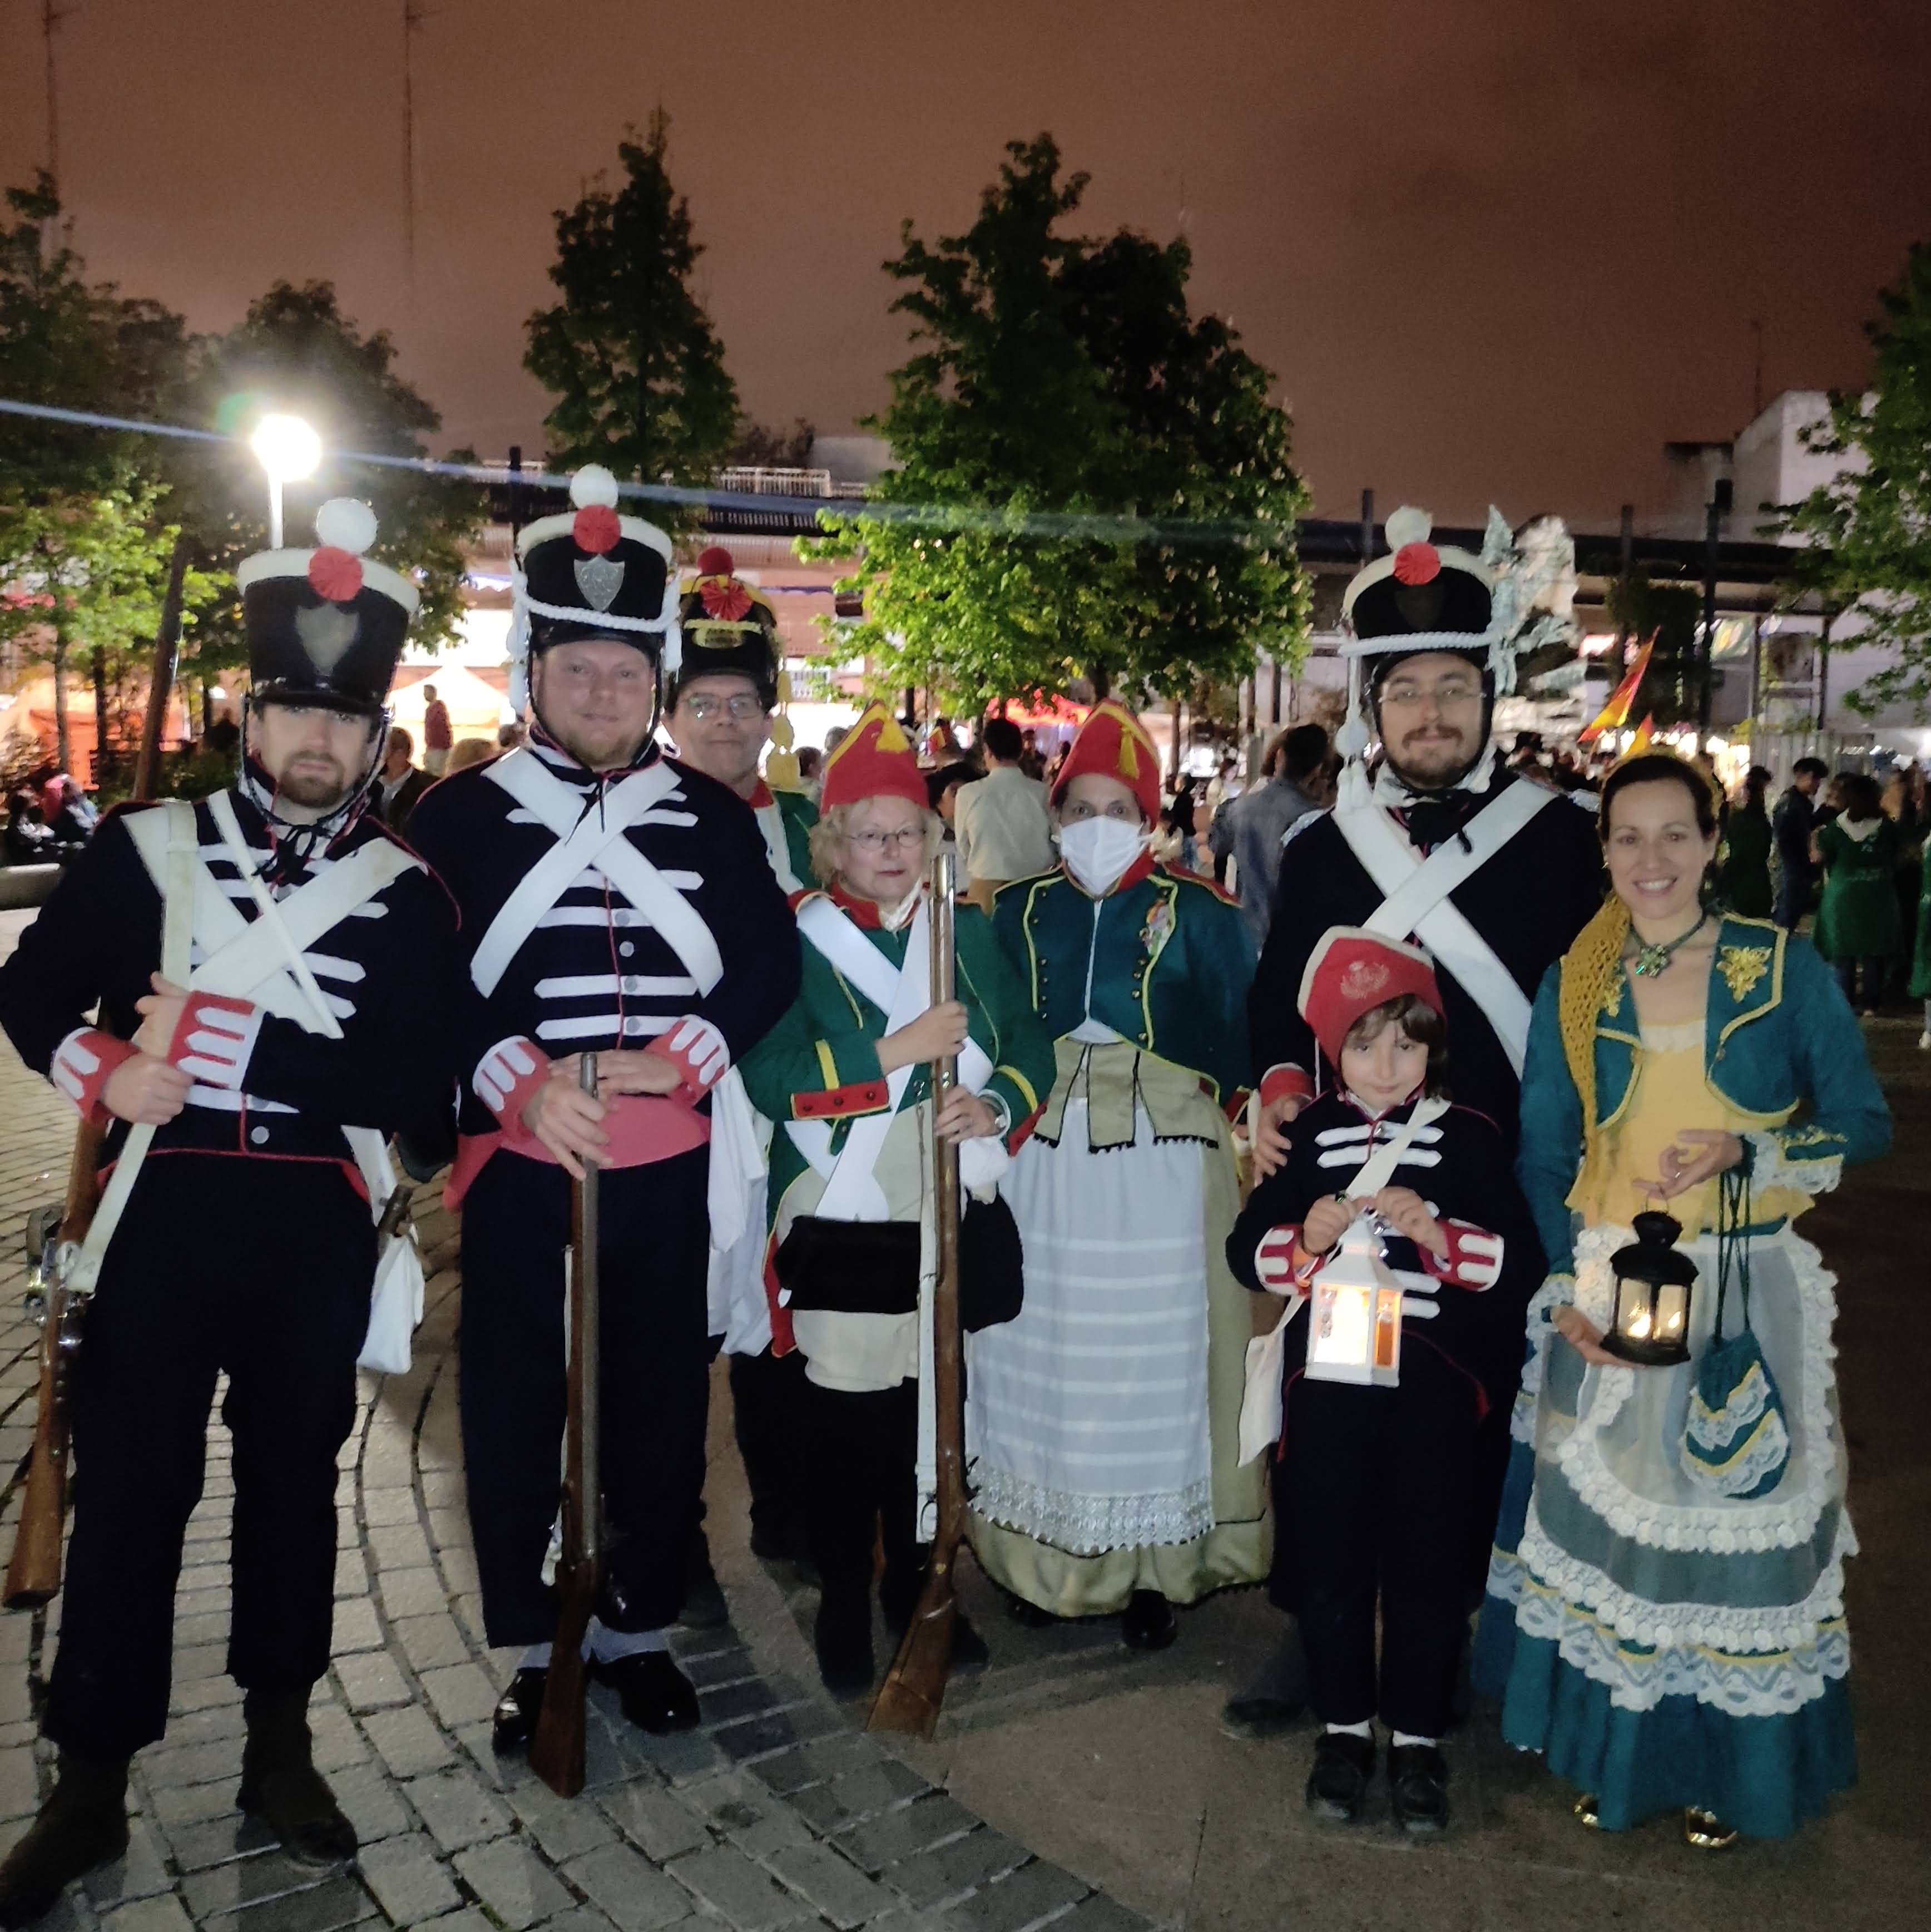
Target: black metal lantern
1649,1324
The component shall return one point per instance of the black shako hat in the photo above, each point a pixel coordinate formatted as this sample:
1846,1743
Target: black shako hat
326,625
1420,597
729,628
591,573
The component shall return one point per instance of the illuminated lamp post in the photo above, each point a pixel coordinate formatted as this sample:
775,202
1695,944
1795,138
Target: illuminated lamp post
289,451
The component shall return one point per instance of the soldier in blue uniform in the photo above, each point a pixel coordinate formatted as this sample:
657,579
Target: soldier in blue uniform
613,902
247,1095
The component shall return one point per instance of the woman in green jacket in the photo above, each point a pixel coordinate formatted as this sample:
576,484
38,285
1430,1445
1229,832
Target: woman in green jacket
1744,880
1857,918
847,1075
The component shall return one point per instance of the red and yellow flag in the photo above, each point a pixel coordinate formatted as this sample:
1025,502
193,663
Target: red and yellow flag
1616,713
1645,736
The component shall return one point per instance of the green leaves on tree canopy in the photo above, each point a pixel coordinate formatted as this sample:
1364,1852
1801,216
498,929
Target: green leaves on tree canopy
1871,524
1061,377
629,353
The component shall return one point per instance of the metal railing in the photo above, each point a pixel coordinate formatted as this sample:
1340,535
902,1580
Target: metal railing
758,480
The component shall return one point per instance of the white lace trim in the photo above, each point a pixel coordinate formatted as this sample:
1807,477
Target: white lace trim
1556,1292
1767,1450
1090,1525
1786,1518
1739,1628
1772,1685
1773,1168
1716,1428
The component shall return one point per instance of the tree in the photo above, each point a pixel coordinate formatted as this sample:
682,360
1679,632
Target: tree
1093,483
759,447
296,351
1671,614
1870,527
636,366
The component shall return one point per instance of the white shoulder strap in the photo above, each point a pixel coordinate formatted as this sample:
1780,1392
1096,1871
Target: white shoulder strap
1376,1170
771,822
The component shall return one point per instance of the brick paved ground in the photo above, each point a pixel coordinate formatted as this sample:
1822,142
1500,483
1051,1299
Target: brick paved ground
779,1813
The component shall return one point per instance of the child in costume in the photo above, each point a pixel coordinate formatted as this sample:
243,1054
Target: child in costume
1373,1484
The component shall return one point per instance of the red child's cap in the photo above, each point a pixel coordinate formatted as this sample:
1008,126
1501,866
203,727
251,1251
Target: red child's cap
1352,972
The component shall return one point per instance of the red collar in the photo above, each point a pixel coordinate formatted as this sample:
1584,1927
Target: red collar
760,797
862,912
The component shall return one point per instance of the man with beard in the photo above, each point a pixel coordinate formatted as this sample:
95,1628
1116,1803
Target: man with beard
1436,842
721,721
615,903
247,1103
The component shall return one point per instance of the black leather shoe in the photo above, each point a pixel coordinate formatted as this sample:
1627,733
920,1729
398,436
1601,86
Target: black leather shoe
83,1824
1418,1787
842,1635
513,1722
657,1696
704,1607
281,1786
1148,1622
1337,1787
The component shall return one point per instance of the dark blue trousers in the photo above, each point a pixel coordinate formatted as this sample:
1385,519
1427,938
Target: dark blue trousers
653,1252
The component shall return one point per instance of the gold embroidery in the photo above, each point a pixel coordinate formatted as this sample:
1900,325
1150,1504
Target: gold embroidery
1742,966
1612,997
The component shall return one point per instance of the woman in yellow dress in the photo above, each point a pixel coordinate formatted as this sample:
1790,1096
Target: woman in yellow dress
1666,1618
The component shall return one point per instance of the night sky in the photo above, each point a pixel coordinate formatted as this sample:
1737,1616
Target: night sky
1493,248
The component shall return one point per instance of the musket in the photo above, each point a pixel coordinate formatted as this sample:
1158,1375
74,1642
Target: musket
915,1687
34,1569
556,1751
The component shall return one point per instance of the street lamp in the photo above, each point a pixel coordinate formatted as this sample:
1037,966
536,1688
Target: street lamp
289,450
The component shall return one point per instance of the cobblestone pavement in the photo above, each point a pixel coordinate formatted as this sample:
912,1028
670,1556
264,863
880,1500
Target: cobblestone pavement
777,1813
1071,1782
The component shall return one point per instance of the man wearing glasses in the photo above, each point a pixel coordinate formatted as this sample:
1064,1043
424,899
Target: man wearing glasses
1430,840
721,721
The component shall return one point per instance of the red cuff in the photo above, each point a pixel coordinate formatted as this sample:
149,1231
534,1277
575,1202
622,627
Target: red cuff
698,1051
214,1039
1283,1266
862,1096
507,1076
1286,1082
1474,1258
81,1066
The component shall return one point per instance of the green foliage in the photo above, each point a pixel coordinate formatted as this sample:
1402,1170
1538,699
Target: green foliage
1110,485
629,353
759,447
1672,613
296,351
1870,526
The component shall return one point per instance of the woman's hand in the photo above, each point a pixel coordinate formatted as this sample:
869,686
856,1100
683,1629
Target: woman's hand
965,1117
937,1034
1270,1139
566,1119
1584,1337
1327,1220
1691,1159
1407,1212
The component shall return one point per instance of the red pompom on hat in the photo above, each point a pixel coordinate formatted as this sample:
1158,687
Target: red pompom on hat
1417,563
596,529
715,562
725,598
874,759
336,575
1352,972
1114,744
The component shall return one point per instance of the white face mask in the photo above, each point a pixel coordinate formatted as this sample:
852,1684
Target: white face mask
1098,850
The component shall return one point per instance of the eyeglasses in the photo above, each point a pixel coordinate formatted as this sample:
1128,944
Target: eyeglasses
1450,691
906,837
739,709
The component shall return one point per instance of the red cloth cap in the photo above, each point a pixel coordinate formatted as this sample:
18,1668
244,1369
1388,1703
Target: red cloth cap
1353,971
874,759
1114,744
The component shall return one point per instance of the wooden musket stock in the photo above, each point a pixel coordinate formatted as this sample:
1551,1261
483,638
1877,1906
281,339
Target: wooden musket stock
915,1687
556,1751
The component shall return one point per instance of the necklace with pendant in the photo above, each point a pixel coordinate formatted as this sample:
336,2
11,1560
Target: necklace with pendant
1649,960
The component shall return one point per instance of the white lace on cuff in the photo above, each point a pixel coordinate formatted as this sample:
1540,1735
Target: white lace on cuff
1772,1166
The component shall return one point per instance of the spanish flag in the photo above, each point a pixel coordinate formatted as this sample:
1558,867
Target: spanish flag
1615,714
1645,736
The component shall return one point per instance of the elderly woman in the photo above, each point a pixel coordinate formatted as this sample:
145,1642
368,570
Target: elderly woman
848,1072
1665,1620
1103,1424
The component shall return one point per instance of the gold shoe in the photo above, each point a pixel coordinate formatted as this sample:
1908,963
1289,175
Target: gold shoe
1706,1831
1585,1813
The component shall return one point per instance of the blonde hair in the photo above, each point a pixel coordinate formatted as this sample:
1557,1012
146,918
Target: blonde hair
828,839
467,752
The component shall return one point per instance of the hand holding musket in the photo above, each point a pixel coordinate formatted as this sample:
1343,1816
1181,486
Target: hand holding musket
556,1751
915,1687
